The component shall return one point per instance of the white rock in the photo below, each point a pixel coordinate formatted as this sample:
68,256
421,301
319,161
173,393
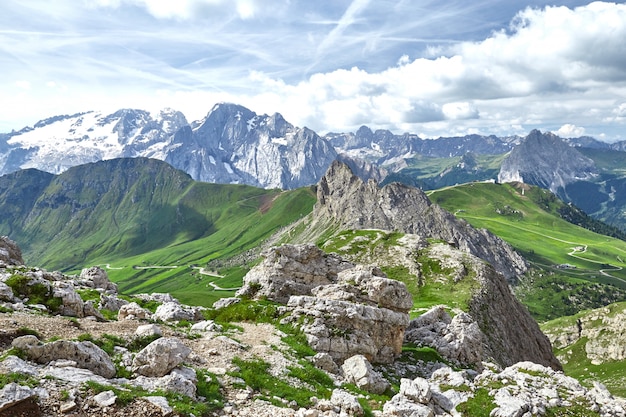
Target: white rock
160,357
206,326
14,364
14,393
148,330
105,399
417,390
173,311
161,403
359,371
346,402
133,311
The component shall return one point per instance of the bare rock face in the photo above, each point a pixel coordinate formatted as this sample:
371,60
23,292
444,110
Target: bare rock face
344,200
10,253
291,270
458,340
511,334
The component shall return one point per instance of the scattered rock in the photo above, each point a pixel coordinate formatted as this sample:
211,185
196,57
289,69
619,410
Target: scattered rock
347,403
325,362
13,393
133,311
225,302
72,305
148,330
161,403
359,371
84,354
14,364
97,277
160,357
173,311
206,326
104,399
458,340
111,302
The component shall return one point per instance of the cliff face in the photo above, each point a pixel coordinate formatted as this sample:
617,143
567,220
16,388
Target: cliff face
350,203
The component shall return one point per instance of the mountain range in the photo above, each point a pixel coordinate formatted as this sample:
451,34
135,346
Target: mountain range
232,144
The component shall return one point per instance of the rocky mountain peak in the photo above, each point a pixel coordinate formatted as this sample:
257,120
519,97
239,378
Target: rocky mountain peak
546,160
351,203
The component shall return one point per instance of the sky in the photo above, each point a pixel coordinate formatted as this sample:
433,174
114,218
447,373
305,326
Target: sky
430,67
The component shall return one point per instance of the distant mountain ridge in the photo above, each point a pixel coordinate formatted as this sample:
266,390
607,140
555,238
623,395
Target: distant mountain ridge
232,144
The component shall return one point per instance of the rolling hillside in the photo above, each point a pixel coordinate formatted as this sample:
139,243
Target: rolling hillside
147,222
574,267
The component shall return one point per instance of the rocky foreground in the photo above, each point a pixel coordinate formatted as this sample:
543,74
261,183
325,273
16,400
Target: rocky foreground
309,334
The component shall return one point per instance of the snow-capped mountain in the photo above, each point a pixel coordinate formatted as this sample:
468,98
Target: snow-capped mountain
58,143
230,145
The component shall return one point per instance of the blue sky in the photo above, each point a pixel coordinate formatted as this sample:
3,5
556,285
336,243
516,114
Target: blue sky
435,68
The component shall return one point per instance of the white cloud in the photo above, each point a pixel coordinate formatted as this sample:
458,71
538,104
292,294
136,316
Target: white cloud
570,131
325,65
460,111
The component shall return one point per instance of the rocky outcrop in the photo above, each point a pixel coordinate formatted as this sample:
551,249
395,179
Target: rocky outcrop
347,202
10,253
344,309
458,340
492,325
505,322
291,270
602,330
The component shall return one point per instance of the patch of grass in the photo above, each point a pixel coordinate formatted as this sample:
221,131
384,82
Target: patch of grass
412,353
207,388
480,405
106,342
296,341
18,378
23,331
37,293
89,294
245,311
255,372
138,343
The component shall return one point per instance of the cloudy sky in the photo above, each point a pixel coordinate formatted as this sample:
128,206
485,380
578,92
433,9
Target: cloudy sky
431,67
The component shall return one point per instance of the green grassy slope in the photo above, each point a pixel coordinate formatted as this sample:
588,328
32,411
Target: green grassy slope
145,221
573,265
241,224
573,356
